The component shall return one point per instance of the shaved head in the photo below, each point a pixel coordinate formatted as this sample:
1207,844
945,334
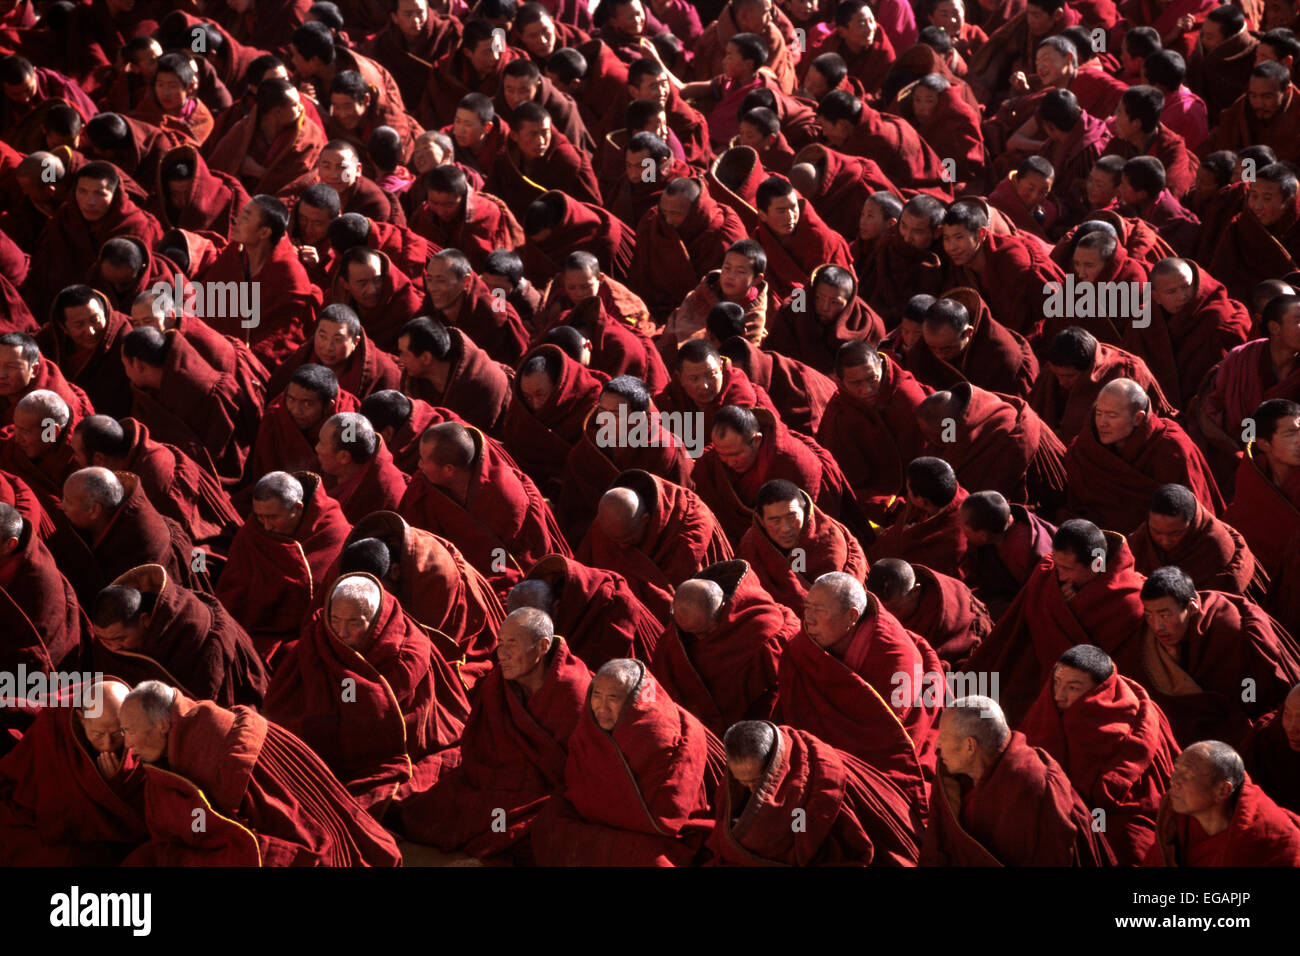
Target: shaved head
622,516
697,605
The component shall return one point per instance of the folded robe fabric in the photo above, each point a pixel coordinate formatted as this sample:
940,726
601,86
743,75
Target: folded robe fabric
1212,553
1261,833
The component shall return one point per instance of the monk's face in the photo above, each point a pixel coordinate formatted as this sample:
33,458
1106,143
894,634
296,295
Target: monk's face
1291,720
702,381
533,138
925,103
306,407
861,382
916,231
124,637
333,460
519,89
628,18
1066,377
350,621
1039,21
30,432
737,277
734,64
1287,330
1088,264
274,517
946,342
829,302
735,451
332,343
21,92
147,740
94,196
410,17
104,732
427,155
1115,418
957,754
825,619
860,32
961,245
1032,189
783,521
1101,187
517,653
85,324
1071,573
1192,788
1174,292
485,57
580,285
348,112
365,282
951,16
1267,201
539,38
872,223
1068,685
674,210
444,288
1167,531
143,315
1284,446
338,169
536,390
654,88
782,215
467,129
249,228
313,223
608,698
1265,98
746,771
170,92
446,207
1168,621
1052,68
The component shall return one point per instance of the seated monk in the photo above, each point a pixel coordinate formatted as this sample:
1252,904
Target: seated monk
799,392
858,129
863,817
469,491
181,488
279,558
513,748
836,185
742,279
612,344
399,731
147,626
1179,531
1215,815
1113,742
962,342
43,623
503,270
638,782
37,447
358,467
995,442
400,421
940,608
290,429
597,609
191,195
1004,543
869,424
1075,142
443,367
687,234
339,167
457,216
84,338
926,530
1139,131
907,256
266,798
990,781
1263,240
406,250
1266,506
71,794
1077,366
260,252
340,344
1084,592
792,543
1272,752
1267,113
459,298
536,158
1115,464
751,447
656,534
1202,651
119,530
580,278
794,237
23,369
380,293
1023,196
551,398
649,165
841,317
555,224
702,384
720,651
274,145
1010,273
522,82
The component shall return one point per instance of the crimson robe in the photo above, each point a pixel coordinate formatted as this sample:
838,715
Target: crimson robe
291,155
583,226
368,369
1267,516
904,156
400,302
379,486
792,259
477,388
737,389
948,615
902,271
99,373
1273,760
43,624
1014,281
282,446
934,540
799,393
483,224
1167,146
405,443
489,320
1212,552
1261,833
1250,252
1068,412
844,184
805,336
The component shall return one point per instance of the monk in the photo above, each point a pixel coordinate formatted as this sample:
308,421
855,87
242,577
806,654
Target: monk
460,299
45,626
1215,815
291,427
995,442
1179,531
720,651
990,781
469,491
794,237
70,792
191,195
400,421
742,280
380,293
358,466
926,530
457,216
1271,748
398,732
340,343
1084,592
638,780
274,145
555,224
656,534
1113,742
513,748
1266,507
940,608
1074,143
873,409
962,342
907,257
792,543
234,765
149,627
858,129
752,447
36,447
1077,366
799,393
703,383
1004,543
615,346
279,558
773,771
1114,465
1265,114
84,338
835,184
445,368
1263,240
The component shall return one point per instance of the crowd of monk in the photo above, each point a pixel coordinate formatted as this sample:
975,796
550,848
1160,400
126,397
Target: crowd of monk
641,432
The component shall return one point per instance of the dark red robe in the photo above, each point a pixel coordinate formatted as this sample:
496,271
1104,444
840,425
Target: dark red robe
1212,552
1261,833
792,259
996,358
949,616
1068,412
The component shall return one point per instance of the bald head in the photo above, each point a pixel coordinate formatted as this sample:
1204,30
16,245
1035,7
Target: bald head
697,606
891,579
611,690
91,496
99,714
353,609
1122,406
146,719
622,517
973,732
524,643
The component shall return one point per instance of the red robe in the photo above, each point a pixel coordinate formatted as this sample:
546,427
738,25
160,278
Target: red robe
934,540
406,439
902,271
43,624
379,486
904,156
815,342
583,226
268,800
1249,252
512,755
1014,281
1068,412
99,373
737,389
996,358
858,815
396,734
289,157
1212,552
477,389
1167,146
489,320
399,303
1115,745
282,446
368,369
216,198
845,183
483,224
1272,760
949,616
728,674
799,393
791,260
1261,833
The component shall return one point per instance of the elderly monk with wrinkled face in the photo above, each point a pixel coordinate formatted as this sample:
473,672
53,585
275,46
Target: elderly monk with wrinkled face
36,447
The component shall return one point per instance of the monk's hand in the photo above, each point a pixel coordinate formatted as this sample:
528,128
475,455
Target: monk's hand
1068,590
1185,22
1019,82
109,764
307,89
649,49
308,255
